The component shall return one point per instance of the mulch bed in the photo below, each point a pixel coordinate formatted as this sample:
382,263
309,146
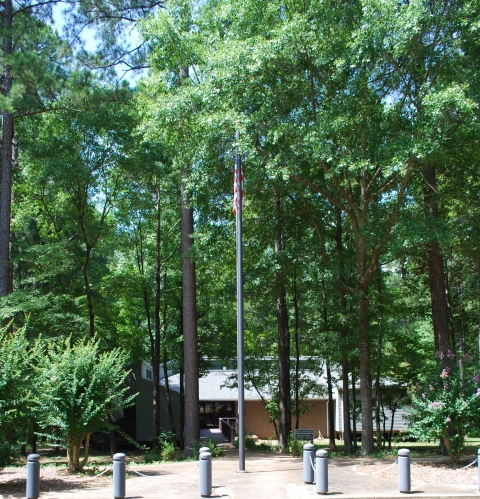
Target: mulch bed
13,480
433,473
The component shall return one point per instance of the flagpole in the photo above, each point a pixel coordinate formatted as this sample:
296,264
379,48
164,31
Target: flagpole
240,332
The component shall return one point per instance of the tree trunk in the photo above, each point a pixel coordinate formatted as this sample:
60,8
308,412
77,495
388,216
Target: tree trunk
297,351
378,423
347,434
111,436
365,376
354,411
85,451
182,408
347,430
88,291
73,455
379,365
331,417
436,269
192,430
34,444
284,406
7,155
364,322
168,397
331,414
156,332
391,425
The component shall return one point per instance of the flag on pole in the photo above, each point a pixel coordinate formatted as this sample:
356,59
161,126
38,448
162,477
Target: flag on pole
236,187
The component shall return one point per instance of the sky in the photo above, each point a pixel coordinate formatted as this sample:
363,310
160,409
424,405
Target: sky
88,35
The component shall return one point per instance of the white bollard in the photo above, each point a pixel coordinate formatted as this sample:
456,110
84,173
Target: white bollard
322,472
33,476
119,476
404,484
308,472
205,474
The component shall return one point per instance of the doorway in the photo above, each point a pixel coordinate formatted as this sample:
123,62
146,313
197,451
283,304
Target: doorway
210,412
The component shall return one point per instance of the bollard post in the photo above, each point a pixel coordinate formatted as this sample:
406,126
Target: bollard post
33,476
205,474
404,484
119,475
322,471
203,449
308,472
478,465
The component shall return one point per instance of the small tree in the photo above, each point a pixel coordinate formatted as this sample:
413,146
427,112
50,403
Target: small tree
447,406
77,387
14,389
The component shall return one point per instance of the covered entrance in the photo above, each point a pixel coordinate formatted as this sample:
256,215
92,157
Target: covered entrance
211,411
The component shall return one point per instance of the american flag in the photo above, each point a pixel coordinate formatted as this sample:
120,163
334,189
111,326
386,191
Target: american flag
235,186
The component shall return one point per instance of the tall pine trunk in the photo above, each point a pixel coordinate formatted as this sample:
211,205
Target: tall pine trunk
7,155
191,396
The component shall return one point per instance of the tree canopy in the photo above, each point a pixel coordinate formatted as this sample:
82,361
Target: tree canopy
358,125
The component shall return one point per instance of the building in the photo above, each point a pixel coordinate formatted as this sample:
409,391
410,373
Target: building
219,399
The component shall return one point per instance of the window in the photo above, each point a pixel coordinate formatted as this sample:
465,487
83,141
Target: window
149,374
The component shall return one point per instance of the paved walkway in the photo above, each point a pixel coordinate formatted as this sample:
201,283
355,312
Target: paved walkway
270,476
213,433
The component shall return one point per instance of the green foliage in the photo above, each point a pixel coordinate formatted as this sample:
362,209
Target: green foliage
168,451
294,447
215,450
447,406
250,442
77,386
15,377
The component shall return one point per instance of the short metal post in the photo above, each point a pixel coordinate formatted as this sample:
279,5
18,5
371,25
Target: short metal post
308,472
478,465
322,471
33,476
203,449
404,484
205,474
119,475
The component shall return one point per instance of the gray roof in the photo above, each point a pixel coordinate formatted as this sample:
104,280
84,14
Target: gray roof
212,387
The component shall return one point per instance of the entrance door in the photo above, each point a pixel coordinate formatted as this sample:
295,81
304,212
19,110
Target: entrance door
211,411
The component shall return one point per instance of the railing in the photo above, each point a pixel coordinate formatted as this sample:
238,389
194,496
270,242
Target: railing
228,426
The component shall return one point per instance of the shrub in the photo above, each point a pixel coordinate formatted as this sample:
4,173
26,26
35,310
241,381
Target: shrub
294,447
15,376
215,450
447,406
168,451
151,458
77,387
250,443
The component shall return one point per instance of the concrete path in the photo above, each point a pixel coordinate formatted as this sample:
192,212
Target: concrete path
213,433
270,476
